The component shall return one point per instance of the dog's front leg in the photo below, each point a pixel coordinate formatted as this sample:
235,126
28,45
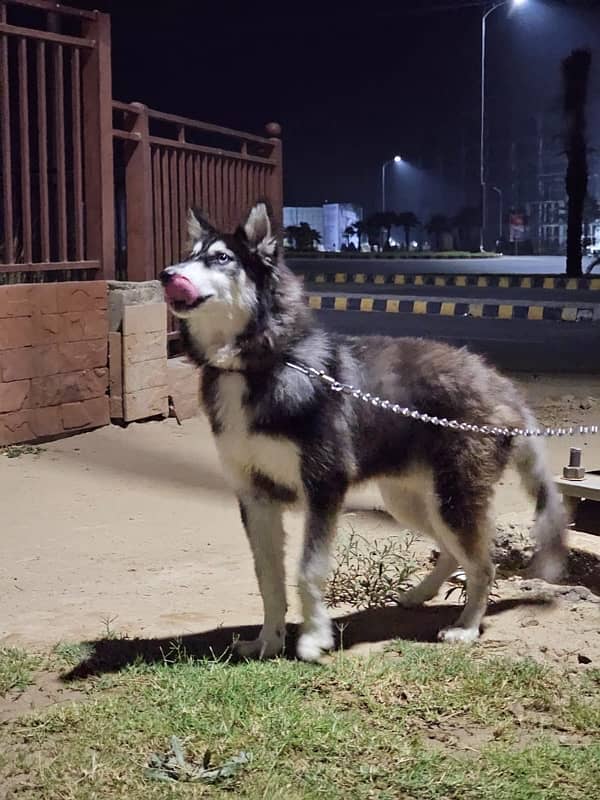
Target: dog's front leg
263,521
316,634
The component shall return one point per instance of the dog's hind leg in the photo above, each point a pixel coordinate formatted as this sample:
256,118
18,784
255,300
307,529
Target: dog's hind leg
431,583
472,551
316,634
410,508
263,521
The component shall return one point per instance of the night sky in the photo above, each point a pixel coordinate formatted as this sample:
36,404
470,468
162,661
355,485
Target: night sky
352,87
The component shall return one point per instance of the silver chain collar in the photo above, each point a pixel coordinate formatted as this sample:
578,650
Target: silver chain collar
405,411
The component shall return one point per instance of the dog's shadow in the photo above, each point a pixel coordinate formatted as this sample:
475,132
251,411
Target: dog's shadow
361,627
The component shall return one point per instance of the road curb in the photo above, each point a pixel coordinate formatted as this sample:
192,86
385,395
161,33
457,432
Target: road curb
448,307
465,281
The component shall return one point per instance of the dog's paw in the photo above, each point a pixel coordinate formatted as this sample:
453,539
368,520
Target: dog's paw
259,648
311,644
459,635
411,599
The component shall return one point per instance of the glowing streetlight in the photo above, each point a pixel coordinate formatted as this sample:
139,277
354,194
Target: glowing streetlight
394,160
514,4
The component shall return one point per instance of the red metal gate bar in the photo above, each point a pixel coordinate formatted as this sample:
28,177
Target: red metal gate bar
43,151
25,155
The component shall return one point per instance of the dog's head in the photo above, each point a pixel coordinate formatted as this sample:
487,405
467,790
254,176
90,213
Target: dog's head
223,274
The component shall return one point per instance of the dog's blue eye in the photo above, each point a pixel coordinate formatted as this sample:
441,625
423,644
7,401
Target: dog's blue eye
223,258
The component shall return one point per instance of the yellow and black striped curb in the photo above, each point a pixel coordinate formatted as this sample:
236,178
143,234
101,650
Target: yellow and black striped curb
468,281
554,312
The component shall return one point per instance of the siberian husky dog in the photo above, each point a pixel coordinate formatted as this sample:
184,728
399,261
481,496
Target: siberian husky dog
285,438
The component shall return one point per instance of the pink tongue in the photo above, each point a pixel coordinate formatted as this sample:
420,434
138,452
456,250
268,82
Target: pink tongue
180,290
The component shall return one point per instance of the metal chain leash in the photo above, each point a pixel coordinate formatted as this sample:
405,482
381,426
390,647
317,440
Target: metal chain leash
454,424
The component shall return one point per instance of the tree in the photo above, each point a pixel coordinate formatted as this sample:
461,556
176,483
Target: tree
349,232
438,225
383,221
373,227
360,230
576,71
291,232
408,221
303,236
467,223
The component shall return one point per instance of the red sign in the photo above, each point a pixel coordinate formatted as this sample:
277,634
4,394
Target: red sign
516,227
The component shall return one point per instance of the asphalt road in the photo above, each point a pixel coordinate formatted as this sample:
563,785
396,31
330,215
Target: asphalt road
513,294
522,345
533,346
504,265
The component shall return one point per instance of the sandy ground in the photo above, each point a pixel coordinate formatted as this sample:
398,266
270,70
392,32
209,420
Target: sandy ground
134,531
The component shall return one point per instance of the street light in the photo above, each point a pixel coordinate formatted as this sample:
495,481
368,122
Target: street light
515,4
394,160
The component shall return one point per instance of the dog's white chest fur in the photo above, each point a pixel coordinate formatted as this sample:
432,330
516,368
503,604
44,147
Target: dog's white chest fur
242,451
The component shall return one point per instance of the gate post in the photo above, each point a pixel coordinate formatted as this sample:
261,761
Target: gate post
138,188
276,178
98,146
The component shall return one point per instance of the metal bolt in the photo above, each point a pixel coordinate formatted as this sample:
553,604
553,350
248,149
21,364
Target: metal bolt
574,471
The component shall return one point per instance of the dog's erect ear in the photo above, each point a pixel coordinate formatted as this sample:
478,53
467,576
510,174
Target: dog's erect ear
199,229
258,232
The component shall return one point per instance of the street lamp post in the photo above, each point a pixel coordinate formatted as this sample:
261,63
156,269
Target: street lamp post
515,3
394,160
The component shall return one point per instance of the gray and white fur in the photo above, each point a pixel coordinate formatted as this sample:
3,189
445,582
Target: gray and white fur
284,439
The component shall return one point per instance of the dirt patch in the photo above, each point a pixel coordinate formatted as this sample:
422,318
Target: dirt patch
459,736
48,689
138,526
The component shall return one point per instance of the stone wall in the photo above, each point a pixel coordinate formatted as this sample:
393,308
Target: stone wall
184,387
137,351
53,359
144,382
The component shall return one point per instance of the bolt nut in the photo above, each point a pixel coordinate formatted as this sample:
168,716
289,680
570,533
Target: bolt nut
574,473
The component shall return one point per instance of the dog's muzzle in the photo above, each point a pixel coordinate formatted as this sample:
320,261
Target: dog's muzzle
180,292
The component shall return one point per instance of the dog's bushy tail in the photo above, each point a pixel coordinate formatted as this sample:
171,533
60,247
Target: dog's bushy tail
549,530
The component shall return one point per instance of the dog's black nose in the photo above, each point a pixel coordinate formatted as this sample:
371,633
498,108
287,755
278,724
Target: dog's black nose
165,276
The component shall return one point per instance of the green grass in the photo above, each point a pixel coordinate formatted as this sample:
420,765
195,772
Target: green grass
422,721
18,450
17,669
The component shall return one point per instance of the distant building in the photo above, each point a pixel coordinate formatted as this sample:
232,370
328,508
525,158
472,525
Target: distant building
312,215
337,217
330,220
548,214
529,209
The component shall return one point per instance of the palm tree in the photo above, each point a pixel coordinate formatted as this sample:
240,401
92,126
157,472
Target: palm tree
303,236
291,234
362,230
408,221
438,225
381,221
307,237
467,223
349,232
387,220
576,71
